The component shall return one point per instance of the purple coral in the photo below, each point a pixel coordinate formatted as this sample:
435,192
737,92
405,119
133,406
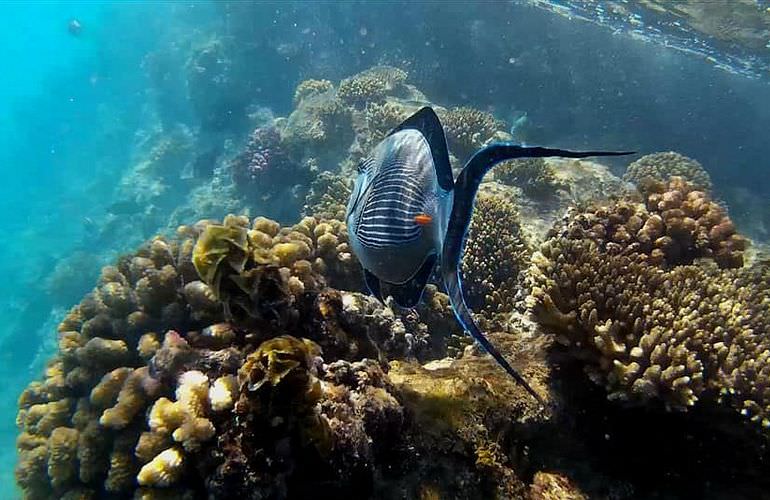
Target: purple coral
264,156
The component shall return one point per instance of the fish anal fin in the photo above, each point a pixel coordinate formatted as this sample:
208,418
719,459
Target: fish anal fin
427,123
373,284
408,294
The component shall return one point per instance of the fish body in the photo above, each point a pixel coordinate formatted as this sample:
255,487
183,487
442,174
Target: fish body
407,213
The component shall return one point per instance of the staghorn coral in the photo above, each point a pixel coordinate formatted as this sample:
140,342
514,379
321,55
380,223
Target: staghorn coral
468,129
663,166
675,226
675,336
533,175
311,87
495,252
371,85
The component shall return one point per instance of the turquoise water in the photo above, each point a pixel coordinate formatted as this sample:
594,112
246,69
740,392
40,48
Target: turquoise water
77,114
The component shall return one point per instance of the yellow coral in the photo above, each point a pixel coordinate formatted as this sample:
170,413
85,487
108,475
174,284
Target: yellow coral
222,393
104,393
131,401
147,345
151,444
62,456
163,470
121,472
193,431
192,393
165,416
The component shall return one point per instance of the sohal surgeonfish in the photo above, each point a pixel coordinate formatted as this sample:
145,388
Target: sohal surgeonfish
407,213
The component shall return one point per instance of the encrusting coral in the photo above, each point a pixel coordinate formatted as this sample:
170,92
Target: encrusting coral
663,166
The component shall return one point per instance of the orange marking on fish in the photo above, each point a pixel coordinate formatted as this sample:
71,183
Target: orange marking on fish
423,219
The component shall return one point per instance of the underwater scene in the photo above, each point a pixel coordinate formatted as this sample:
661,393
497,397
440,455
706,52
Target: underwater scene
390,250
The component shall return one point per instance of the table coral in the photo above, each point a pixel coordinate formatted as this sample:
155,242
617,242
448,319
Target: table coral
663,166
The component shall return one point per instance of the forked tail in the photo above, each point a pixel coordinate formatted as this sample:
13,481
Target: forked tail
465,188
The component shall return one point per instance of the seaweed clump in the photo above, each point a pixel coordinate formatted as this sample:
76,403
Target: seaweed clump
663,166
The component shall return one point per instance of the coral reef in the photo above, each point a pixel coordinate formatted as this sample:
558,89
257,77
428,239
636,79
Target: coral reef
468,129
676,225
678,336
370,86
663,166
264,167
319,131
311,87
495,252
534,176
328,196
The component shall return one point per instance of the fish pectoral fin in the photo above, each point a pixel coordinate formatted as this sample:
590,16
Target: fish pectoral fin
373,284
409,294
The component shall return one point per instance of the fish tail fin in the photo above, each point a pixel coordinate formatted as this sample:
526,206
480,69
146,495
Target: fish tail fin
465,188
463,315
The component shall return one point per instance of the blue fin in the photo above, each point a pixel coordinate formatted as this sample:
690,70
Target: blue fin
408,295
427,123
373,284
465,189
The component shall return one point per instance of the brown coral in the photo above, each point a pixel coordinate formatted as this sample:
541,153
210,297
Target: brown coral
371,85
311,87
663,166
676,336
677,225
533,175
495,252
468,129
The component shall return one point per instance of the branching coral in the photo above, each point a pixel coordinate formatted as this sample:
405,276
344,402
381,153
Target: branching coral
371,85
663,166
468,129
677,226
311,87
495,252
328,196
675,336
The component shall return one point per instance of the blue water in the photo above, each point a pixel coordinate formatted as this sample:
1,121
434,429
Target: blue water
74,111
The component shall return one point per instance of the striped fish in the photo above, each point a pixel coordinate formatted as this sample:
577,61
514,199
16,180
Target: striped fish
407,213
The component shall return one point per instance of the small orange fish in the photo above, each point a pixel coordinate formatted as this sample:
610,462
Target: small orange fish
423,219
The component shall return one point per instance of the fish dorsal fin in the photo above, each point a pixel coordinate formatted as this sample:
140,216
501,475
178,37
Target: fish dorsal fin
465,189
373,284
427,123
409,294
